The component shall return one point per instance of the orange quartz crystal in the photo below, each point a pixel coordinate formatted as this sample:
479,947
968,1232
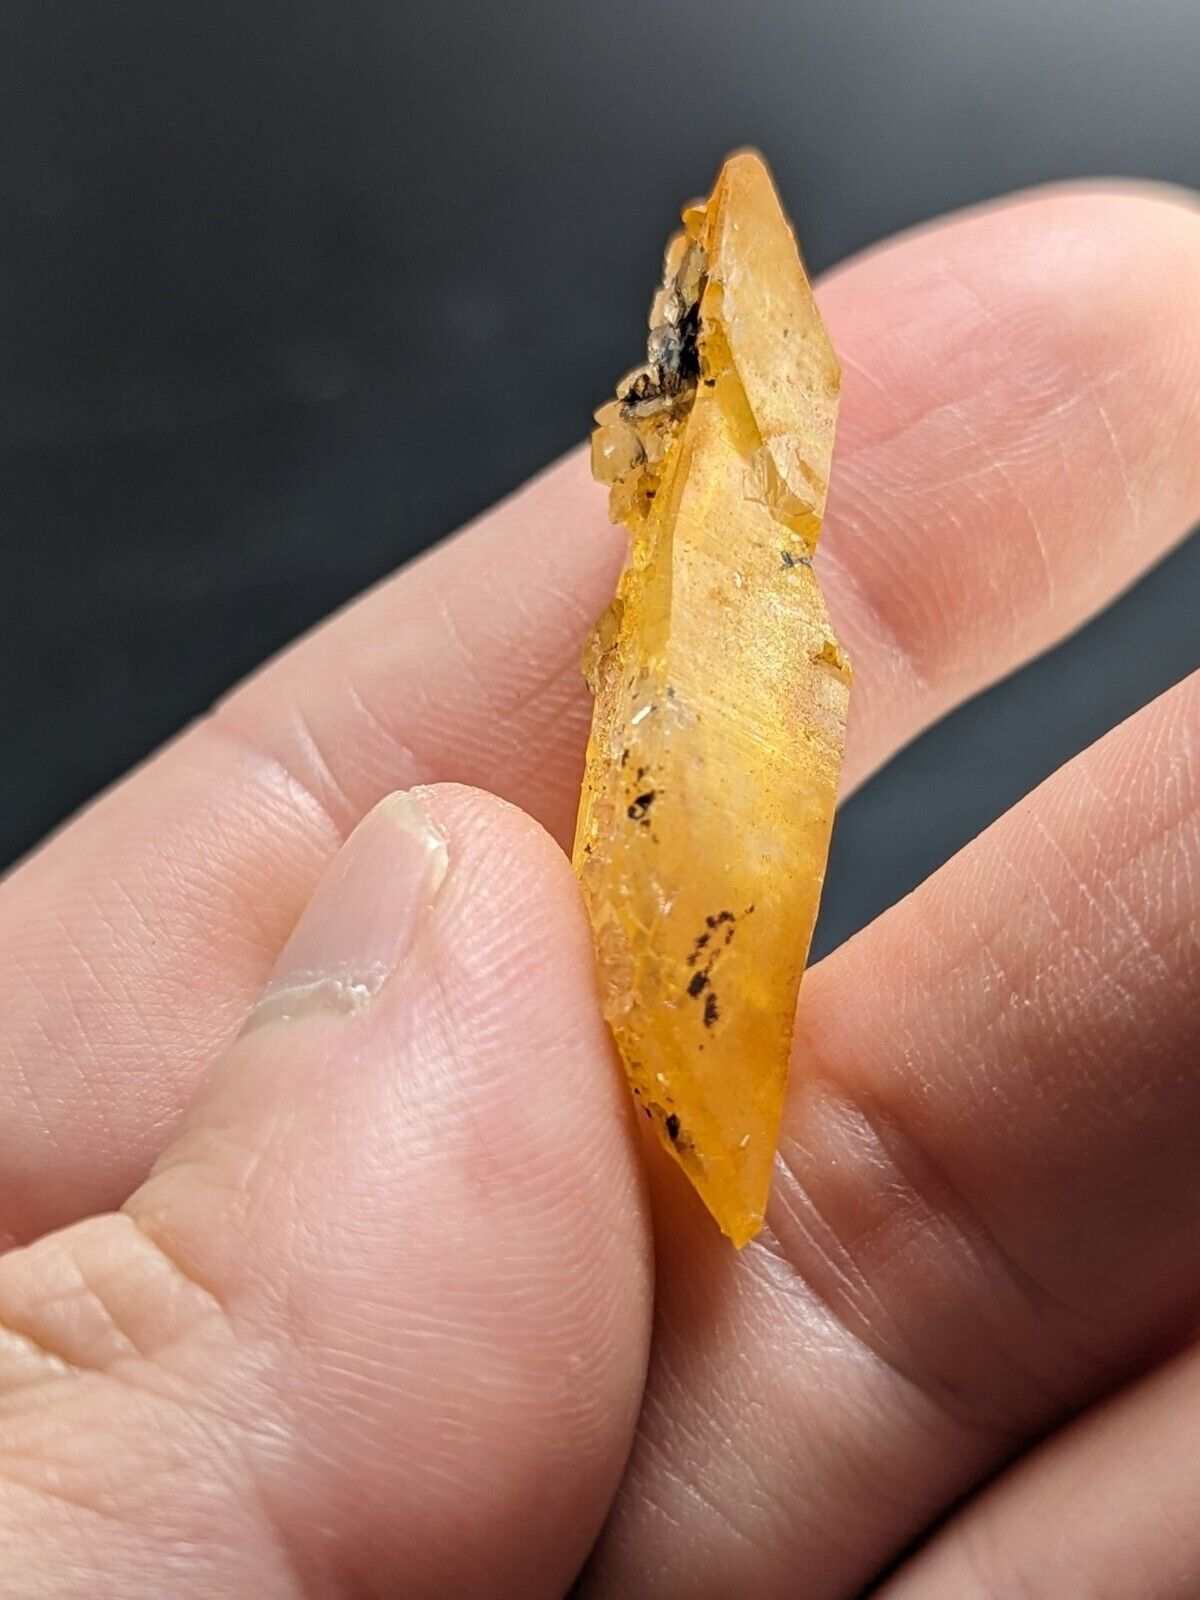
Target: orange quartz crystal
721,692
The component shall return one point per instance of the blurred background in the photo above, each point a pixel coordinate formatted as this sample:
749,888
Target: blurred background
289,288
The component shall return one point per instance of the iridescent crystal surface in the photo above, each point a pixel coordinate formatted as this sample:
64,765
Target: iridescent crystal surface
720,689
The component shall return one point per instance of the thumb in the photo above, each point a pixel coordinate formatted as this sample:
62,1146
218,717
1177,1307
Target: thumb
377,1321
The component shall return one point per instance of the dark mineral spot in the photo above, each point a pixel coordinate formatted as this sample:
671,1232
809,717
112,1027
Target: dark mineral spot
710,1010
639,810
672,1126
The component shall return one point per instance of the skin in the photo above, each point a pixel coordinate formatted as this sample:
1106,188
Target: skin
366,1286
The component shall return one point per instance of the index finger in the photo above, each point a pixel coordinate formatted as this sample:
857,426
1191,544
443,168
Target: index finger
1018,441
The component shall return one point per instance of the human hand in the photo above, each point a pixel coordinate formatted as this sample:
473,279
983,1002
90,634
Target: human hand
379,1321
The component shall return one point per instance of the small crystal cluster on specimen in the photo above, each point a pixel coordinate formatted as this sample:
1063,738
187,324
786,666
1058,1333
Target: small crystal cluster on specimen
721,692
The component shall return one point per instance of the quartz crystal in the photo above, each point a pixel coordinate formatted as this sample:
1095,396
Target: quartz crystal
720,689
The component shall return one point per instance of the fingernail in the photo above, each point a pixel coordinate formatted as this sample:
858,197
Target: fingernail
363,918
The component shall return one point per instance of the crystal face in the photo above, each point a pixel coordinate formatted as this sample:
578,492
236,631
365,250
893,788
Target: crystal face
721,692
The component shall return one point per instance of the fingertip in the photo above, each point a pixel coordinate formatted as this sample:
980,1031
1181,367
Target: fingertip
1101,283
512,955
511,907
416,1177
1050,294
1122,266
1116,267
1019,436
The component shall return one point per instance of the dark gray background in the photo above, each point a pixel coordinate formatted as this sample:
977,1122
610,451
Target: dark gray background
288,288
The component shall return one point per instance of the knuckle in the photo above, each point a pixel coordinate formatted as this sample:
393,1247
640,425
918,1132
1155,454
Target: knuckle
128,1418
870,1222
102,1296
